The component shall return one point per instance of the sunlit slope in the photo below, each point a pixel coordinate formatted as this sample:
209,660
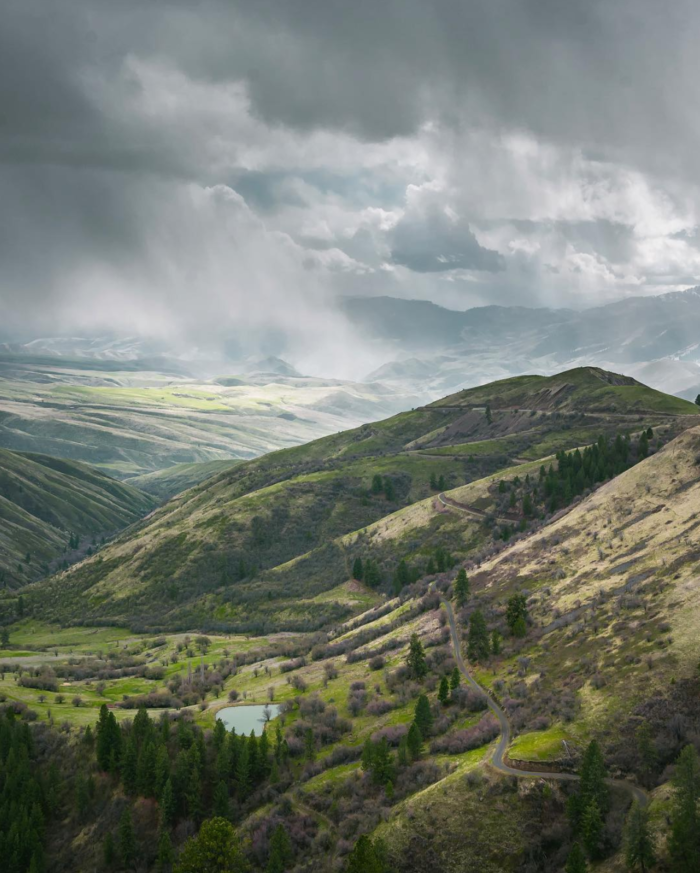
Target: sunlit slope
271,530
613,585
43,501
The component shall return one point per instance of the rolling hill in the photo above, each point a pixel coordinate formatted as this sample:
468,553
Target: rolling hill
250,548
45,502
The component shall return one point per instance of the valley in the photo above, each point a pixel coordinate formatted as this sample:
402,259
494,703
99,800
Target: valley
535,539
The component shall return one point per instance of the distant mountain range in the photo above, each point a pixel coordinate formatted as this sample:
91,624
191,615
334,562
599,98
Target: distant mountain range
654,339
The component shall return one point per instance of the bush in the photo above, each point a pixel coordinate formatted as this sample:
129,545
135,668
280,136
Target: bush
466,740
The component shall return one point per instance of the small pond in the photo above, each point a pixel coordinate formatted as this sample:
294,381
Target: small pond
247,718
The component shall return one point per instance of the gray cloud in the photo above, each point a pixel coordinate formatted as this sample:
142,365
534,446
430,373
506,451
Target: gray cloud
191,168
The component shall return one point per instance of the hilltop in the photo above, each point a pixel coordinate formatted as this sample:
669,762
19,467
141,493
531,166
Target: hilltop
53,509
260,546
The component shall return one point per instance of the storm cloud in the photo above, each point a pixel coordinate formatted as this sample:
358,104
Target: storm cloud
196,170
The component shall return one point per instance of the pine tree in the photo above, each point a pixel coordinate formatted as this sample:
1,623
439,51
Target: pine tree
648,757
433,482
127,840
167,803
389,489
444,691
455,679
496,640
357,570
414,742
108,850
441,483
478,641
461,587
367,857
128,767
639,847
576,862
401,576
376,484
382,763
489,417
423,716
516,614
221,806
281,852
684,842
592,830
415,660
166,853
215,848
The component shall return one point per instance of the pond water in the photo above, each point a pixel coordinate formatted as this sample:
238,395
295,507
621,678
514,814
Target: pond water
247,718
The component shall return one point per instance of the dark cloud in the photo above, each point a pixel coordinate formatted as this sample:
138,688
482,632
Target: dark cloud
262,157
432,241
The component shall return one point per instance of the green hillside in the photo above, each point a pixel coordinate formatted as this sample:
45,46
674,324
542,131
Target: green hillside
166,483
44,502
585,388
247,548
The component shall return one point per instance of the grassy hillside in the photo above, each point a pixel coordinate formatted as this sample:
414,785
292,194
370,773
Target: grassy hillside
246,549
131,418
609,644
585,388
45,501
166,483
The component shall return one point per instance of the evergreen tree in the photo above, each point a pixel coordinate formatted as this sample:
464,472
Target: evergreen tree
461,587
643,445
389,489
576,862
496,640
127,840
478,640
441,483
444,691
376,484
516,615
423,717
415,660
455,679
433,482
592,830
489,417
108,739
357,570
281,851
128,767
382,763
167,803
414,742
108,850
401,576
684,842
648,757
367,856
221,806
215,849
166,853
592,788
639,847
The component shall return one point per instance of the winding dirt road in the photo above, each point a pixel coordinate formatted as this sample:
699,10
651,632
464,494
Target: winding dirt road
504,741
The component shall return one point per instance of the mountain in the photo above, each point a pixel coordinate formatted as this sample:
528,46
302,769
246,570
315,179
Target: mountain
45,501
651,338
250,548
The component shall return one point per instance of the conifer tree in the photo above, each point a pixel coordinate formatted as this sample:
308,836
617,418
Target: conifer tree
221,806
496,640
444,691
281,851
166,853
357,570
423,716
684,842
461,587
576,862
414,742
455,679
478,640
639,847
415,660
592,830
127,840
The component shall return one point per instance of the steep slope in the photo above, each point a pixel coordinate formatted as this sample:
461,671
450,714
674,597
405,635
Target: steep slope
45,501
166,483
245,549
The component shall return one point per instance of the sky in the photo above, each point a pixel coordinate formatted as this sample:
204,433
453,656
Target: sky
197,169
